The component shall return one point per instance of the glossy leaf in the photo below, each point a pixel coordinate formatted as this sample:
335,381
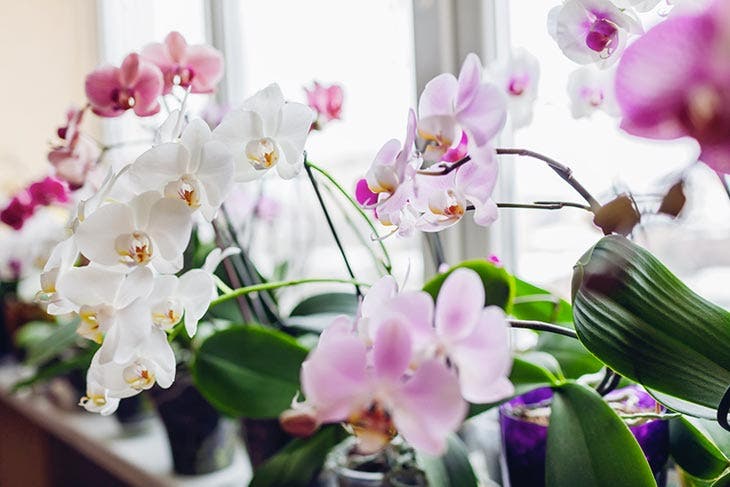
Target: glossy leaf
642,321
452,469
334,303
588,445
499,285
249,371
299,461
572,356
694,450
61,339
534,303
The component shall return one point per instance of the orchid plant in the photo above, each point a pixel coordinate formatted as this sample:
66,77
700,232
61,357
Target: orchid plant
393,364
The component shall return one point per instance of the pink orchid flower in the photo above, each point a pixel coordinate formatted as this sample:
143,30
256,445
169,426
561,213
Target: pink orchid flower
451,108
326,101
592,31
48,191
673,82
375,391
135,85
18,210
475,339
76,155
443,200
199,67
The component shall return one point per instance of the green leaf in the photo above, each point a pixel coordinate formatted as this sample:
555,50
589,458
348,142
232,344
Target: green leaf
589,445
452,469
638,318
570,353
298,462
694,450
499,285
534,303
62,338
33,332
526,376
723,481
720,436
249,371
335,303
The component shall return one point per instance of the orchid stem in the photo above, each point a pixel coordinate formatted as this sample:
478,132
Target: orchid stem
267,286
563,171
542,326
437,249
232,276
386,256
331,225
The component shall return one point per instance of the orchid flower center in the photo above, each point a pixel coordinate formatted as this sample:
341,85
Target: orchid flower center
183,76
134,248
262,153
704,115
98,400
373,427
517,85
123,98
436,145
167,313
90,324
594,97
138,377
449,205
602,36
187,189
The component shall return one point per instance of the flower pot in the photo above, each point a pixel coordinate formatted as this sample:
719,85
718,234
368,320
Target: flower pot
524,442
394,466
201,440
263,438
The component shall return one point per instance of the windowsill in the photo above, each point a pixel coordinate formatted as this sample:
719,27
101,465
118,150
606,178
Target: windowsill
142,459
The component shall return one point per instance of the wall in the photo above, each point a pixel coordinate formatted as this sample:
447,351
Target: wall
48,46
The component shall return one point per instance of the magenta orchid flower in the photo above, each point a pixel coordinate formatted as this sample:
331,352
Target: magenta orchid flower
75,155
592,31
376,392
18,210
326,101
135,85
48,191
451,108
198,68
673,82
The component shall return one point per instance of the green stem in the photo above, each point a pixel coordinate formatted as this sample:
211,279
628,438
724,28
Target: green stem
276,285
387,263
649,416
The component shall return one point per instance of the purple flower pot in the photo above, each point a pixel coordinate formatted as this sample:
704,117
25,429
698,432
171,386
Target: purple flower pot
524,442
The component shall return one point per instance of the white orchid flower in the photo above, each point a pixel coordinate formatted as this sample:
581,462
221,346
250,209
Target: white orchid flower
267,131
98,294
172,299
153,362
591,90
198,170
519,77
149,230
97,400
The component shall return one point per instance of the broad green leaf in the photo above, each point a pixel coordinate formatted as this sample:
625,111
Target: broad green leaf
335,303
720,436
499,285
723,481
682,406
572,356
525,376
534,303
638,318
452,469
588,445
62,338
694,450
249,371
33,332
298,462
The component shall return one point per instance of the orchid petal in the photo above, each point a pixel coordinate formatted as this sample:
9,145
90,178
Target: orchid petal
459,304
